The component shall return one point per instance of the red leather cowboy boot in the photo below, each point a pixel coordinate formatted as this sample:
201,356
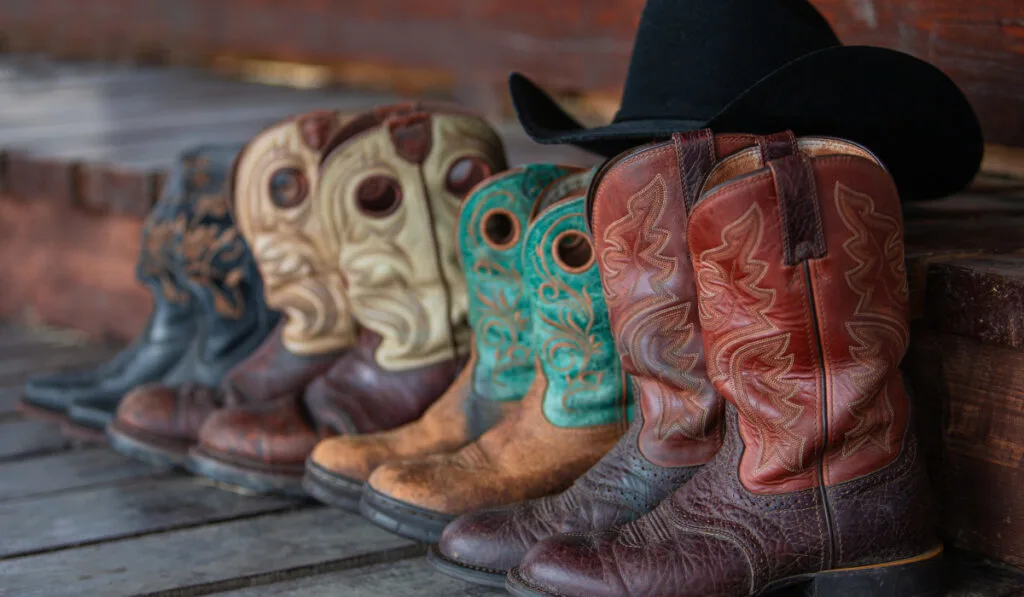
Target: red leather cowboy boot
635,206
803,303
269,190
391,184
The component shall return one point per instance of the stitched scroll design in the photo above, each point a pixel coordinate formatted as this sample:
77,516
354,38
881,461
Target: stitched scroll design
878,327
654,326
747,356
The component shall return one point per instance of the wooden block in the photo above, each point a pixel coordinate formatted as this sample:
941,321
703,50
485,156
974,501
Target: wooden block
209,559
21,438
65,267
973,393
109,188
51,522
65,471
28,176
980,297
413,577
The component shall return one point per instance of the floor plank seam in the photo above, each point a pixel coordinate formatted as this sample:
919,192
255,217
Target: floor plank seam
154,531
36,453
276,576
155,476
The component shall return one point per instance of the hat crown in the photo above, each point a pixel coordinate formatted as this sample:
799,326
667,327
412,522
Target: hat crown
695,56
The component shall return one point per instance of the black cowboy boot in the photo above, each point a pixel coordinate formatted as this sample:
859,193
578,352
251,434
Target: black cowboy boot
213,259
163,342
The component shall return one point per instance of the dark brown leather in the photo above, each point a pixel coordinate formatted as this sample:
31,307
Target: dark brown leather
820,469
802,235
176,414
715,538
355,395
637,215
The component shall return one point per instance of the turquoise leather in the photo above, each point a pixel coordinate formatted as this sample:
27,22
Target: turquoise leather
571,327
499,309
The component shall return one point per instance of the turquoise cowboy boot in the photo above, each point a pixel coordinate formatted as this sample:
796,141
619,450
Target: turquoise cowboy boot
500,370
574,411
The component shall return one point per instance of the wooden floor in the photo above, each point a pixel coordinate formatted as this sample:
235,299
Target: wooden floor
85,521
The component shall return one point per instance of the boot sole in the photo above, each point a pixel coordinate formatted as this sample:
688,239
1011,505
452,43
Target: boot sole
411,522
477,575
251,477
331,488
914,577
153,450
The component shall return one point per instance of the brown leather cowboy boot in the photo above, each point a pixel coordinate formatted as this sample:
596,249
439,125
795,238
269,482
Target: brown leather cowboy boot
270,190
573,413
490,238
392,181
636,204
803,303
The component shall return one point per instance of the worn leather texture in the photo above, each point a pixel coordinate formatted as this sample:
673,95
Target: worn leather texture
176,413
522,457
578,379
384,210
650,288
490,235
820,469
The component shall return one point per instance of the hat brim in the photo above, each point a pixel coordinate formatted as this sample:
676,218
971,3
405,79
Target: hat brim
906,111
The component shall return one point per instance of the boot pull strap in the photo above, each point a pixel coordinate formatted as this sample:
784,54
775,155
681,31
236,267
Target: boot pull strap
803,236
695,154
778,145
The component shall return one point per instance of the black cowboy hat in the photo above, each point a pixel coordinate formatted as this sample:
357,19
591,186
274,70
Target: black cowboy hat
761,66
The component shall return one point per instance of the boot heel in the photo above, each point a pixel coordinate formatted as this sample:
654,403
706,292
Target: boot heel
916,577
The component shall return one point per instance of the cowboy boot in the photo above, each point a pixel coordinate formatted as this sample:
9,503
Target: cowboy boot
500,370
572,414
820,483
270,187
633,212
163,343
388,202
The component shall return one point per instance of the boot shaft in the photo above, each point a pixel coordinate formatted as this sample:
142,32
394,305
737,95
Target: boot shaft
273,183
491,231
391,187
803,301
637,212
583,381
216,261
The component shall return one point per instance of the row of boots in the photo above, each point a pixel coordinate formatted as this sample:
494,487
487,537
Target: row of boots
673,375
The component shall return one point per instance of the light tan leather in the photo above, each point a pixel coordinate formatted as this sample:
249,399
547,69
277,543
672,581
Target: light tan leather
443,428
521,458
299,265
404,279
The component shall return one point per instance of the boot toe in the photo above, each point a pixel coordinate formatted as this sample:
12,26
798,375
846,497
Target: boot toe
276,434
150,408
489,539
354,457
571,566
420,483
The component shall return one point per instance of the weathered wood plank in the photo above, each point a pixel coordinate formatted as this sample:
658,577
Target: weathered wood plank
203,560
20,438
66,471
980,297
53,522
971,402
413,577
